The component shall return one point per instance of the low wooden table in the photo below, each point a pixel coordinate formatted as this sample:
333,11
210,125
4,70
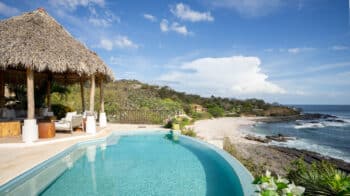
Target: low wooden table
47,129
10,128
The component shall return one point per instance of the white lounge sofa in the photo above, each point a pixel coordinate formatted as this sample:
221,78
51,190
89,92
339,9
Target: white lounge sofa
71,121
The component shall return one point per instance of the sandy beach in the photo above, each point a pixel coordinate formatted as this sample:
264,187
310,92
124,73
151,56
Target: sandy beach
217,129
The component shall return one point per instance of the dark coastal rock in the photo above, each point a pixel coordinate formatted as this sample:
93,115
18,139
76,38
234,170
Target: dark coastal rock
311,157
279,138
257,138
313,116
267,139
335,120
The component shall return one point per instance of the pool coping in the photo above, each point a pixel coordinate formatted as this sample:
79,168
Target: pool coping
245,177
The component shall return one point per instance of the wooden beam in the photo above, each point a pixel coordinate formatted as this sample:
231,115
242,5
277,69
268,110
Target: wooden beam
48,93
82,95
2,89
92,93
30,94
102,100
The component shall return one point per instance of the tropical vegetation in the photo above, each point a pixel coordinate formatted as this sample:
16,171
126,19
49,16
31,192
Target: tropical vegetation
275,186
320,178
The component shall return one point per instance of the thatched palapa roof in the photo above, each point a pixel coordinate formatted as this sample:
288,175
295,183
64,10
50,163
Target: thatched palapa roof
36,40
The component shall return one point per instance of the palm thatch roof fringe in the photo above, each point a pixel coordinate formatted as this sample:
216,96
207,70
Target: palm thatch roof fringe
36,40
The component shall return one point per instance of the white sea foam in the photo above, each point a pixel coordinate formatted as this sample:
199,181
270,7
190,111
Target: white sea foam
321,124
308,145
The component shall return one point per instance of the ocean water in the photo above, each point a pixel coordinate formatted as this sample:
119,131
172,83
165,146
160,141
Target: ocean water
330,136
147,165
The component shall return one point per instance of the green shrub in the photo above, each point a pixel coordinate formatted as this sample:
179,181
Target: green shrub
216,111
201,116
188,132
60,110
232,115
168,125
320,178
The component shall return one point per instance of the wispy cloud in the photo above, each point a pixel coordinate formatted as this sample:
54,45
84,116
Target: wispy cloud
312,70
73,4
184,12
330,66
268,50
229,76
250,8
121,42
7,10
339,47
100,22
176,27
150,17
124,42
102,18
299,50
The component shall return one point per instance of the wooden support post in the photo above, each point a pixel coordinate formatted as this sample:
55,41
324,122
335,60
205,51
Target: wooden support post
82,95
30,94
48,93
92,93
102,100
2,89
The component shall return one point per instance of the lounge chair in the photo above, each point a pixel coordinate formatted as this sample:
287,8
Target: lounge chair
71,121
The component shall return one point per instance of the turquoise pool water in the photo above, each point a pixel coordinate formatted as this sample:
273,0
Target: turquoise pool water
146,164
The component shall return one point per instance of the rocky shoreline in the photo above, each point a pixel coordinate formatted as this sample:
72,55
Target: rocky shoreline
311,157
294,153
253,151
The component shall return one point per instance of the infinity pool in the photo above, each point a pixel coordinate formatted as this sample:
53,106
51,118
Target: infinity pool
142,164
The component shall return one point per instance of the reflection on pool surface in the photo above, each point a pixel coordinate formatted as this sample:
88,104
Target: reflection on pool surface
146,164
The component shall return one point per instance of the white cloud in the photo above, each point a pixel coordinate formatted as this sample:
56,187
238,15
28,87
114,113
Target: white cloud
176,27
106,44
99,22
150,17
121,42
103,22
124,42
6,10
250,8
73,4
294,50
339,47
184,12
164,25
102,19
299,50
227,76
179,29
115,60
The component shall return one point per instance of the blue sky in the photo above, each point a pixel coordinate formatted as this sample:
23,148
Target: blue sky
286,51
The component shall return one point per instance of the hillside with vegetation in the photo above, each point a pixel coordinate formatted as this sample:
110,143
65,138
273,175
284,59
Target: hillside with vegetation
134,95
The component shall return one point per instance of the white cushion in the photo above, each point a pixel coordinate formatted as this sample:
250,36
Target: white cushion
62,125
69,116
